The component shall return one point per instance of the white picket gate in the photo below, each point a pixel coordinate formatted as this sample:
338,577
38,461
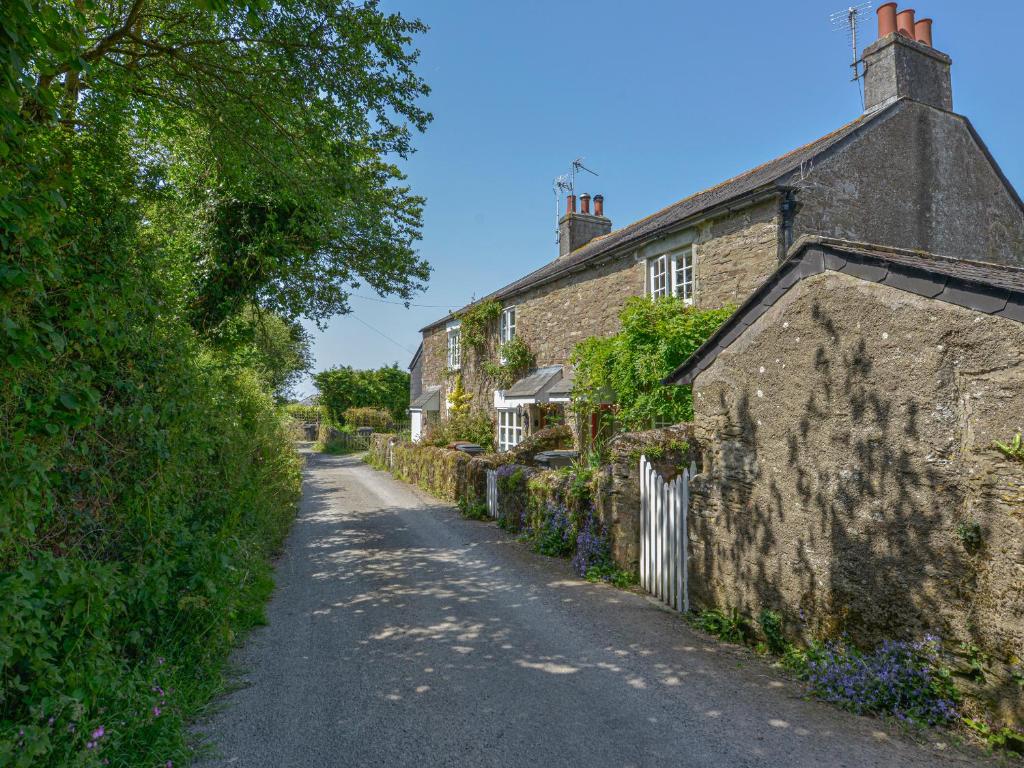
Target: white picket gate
663,535
492,493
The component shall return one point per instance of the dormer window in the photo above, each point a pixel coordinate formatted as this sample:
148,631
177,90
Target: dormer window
672,274
454,347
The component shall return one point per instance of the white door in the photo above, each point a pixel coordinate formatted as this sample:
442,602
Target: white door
417,425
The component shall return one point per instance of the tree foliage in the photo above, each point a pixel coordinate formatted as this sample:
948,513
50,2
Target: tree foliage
345,387
628,368
178,183
279,350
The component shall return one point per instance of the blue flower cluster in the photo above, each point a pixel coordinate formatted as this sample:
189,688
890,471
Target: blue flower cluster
898,678
591,546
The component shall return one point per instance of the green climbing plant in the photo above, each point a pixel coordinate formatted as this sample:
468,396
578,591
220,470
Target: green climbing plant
476,322
516,359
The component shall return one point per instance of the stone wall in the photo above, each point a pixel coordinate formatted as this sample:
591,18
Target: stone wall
735,254
670,450
847,455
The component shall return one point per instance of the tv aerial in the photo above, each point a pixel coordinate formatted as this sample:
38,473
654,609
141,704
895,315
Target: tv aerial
566,185
848,22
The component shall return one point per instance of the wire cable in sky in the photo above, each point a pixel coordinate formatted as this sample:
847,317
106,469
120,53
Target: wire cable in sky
400,303
397,344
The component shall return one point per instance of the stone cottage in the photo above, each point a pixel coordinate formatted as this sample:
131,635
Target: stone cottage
909,173
848,417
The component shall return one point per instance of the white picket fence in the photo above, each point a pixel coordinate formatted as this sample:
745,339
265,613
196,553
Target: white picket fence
492,493
663,535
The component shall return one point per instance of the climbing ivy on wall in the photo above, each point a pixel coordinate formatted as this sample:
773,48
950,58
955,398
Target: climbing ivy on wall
516,360
476,321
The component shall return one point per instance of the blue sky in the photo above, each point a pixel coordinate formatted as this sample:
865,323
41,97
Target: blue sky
661,98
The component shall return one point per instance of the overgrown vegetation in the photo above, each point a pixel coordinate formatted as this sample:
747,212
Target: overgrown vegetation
375,418
179,183
303,413
473,508
561,521
473,427
656,337
516,360
475,323
910,681
345,387
907,680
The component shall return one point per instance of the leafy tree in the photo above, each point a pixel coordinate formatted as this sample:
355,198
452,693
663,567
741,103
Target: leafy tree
261,130
344,387
628,368
178,183
279,350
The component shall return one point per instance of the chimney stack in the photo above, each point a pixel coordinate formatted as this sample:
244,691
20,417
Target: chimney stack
902,64
577,229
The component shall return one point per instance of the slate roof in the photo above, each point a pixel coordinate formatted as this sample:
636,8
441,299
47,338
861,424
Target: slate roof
762,177
563,387
532,383
994,289
430,396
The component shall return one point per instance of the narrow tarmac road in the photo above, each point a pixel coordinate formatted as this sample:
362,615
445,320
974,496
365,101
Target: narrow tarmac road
403,635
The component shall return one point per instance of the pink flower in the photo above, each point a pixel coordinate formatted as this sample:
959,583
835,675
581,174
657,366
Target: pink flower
98,733
156,711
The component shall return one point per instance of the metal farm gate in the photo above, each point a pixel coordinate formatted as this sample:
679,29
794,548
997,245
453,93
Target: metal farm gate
663,535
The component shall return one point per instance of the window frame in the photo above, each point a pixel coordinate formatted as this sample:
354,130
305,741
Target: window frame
454,347
658,276
506,329
510,428
673,274
685,289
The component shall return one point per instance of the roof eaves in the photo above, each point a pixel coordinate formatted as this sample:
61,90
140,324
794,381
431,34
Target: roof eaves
610,245
993,289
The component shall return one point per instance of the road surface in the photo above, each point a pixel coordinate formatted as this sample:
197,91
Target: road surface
403,635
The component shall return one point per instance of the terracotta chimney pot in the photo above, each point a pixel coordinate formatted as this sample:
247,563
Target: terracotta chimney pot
886,19
905,23
585,203
570,204
923,31
599,205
